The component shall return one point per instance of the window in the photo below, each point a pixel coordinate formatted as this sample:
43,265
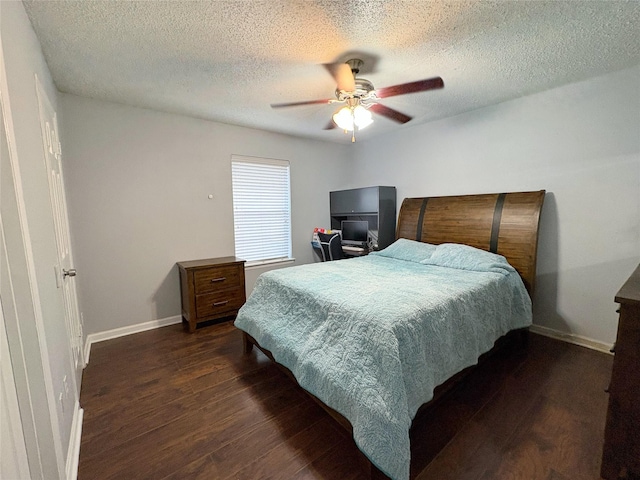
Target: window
261,209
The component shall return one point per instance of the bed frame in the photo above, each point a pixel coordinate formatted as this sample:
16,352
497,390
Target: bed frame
502,223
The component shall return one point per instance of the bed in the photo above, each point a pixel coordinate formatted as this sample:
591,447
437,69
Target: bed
366,341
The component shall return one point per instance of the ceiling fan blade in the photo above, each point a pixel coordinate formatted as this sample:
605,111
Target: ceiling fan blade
343,76
394,115
296,104
419,86
330,126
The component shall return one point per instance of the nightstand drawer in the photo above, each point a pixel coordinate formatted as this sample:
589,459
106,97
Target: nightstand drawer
218,302
215,279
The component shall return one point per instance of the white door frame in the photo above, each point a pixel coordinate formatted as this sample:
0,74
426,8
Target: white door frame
13,450
26,337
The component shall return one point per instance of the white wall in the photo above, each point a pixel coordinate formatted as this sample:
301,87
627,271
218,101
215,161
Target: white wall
137,184
581,143
39,337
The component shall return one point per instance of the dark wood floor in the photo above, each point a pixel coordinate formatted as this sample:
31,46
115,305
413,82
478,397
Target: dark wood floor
166,404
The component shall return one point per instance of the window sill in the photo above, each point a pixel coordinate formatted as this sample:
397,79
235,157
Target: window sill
268,263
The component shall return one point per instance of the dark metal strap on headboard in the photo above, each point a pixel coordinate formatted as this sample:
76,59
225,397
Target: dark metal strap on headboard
495,226
423,208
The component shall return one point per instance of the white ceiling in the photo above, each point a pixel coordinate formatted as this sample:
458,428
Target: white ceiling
229,60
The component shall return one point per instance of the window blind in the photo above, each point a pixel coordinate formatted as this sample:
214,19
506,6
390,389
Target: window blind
261,208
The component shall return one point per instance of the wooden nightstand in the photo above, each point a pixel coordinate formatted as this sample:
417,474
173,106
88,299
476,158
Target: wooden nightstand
211,289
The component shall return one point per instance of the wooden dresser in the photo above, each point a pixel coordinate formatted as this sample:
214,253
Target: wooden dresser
211,289
621,452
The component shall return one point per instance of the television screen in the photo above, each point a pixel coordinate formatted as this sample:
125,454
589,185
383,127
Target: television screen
355,232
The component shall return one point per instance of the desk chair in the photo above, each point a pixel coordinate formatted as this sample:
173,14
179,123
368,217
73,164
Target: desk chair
330,246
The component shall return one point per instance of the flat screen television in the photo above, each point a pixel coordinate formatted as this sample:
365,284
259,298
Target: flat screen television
355,232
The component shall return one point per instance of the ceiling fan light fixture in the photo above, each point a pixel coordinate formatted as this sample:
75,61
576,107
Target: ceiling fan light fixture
362,117
344,118
347,117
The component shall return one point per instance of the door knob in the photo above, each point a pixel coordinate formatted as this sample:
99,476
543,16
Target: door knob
69,273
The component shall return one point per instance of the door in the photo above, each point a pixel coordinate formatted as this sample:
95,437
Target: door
23,358
13,451
14,462
64,270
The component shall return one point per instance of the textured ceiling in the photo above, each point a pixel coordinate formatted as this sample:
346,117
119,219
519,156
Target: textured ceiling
229,60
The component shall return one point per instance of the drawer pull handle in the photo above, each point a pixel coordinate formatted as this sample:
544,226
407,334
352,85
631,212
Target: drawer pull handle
219,279
217,304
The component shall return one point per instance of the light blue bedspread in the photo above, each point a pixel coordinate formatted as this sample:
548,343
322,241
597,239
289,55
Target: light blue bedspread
373,336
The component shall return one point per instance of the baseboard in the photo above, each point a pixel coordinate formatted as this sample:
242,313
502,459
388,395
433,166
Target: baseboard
128,330
73,453
571,338
87,351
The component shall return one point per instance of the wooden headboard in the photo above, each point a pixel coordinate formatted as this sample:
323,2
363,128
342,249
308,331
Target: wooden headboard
503,223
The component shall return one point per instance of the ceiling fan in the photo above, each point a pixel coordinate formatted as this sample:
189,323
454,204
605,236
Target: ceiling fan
360,98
